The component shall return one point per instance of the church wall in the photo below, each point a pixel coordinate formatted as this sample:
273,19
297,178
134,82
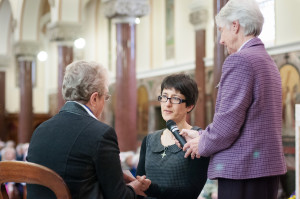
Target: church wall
287,21
144,43
210,31
184,33
91,48
12,96
158,50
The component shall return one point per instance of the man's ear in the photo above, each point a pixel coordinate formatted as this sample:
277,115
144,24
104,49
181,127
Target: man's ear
93,99
235,26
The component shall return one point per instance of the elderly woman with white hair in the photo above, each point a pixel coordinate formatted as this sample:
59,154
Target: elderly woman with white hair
80,148
244,139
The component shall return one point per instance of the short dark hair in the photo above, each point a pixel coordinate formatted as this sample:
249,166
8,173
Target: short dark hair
184,84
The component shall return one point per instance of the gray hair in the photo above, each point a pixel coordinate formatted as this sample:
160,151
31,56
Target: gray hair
82,79
246,12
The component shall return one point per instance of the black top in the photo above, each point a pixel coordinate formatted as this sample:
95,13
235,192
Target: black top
83,151
172,175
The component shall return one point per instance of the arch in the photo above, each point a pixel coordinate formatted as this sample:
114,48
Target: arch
290,96
30,19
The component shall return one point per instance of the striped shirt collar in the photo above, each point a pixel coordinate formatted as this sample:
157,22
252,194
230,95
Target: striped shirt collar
85,108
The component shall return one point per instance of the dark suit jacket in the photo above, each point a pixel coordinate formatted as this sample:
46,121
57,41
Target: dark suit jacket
83,151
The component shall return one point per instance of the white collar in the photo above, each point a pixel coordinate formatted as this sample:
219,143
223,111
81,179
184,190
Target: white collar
245,44
85,108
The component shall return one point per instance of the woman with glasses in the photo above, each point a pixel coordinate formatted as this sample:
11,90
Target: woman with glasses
161,160
74,143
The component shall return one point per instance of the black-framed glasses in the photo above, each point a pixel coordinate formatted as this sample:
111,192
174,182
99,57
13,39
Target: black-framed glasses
173,100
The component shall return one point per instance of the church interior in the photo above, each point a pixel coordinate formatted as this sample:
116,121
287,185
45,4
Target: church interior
140,42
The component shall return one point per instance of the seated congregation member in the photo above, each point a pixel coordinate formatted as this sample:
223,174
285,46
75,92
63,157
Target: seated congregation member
161,160
14,190
76,145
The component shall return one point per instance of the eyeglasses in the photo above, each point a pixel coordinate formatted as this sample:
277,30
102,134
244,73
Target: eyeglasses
107,97
173,100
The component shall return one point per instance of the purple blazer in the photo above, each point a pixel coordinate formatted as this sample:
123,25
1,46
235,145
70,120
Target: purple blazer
244,139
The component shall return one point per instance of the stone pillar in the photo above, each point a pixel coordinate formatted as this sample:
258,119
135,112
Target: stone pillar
64,34
26,56
65,57
198,18
219,50
124,13
2,104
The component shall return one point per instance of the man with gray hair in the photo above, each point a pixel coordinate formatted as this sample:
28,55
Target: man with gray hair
244,140
81,149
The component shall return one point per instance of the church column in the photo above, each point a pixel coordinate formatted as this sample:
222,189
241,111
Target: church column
64,34
219,50
65,57
26,56
124,14
198,18
2,103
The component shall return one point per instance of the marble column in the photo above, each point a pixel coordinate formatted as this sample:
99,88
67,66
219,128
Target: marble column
65,57
64,34
219,50
198,18
26,56
124,13
26,113
2,104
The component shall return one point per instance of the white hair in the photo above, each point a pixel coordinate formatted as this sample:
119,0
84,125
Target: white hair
82,79
246,12
8,153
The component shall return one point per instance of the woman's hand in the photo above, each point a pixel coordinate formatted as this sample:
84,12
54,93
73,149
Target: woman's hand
189,134
140,185
191,147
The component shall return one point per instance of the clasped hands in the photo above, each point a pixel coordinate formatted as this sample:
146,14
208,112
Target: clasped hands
191,147
139,184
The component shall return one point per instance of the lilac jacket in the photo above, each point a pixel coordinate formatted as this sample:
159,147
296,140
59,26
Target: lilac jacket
244,139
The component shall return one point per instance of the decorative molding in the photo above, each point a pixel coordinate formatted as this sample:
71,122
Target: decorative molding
199,19
125,8
26,58
64,31
166,70
285,48
27,48
130,20
199,14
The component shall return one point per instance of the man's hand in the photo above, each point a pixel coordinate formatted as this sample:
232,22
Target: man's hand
128,178
145,182
140,185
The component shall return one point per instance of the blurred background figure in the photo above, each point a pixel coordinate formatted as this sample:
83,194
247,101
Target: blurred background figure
130,160
210,190
8,153
14,190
